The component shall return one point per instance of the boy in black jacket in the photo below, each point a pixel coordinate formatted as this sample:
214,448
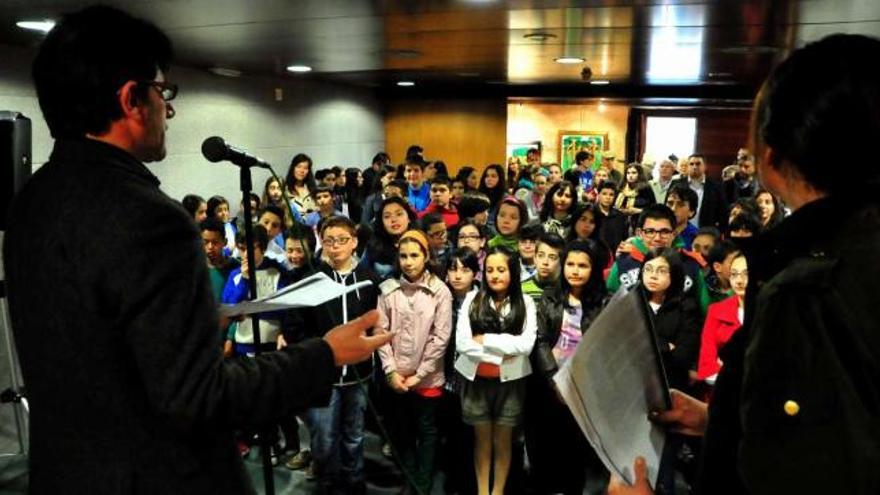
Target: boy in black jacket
337,431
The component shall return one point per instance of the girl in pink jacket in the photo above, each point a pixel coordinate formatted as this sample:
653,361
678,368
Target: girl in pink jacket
417,308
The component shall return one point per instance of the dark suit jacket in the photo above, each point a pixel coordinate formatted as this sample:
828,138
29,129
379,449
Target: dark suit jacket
712,209
118,337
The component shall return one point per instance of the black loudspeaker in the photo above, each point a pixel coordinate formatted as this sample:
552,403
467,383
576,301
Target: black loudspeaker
15,158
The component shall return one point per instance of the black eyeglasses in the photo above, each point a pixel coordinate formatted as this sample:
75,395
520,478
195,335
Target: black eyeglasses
166,90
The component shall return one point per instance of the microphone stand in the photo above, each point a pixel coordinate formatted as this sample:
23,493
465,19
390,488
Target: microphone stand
246,187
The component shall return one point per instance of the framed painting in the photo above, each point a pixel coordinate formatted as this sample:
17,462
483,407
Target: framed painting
570,142
520,150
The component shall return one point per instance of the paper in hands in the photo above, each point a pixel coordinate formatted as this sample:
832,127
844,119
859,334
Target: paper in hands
612,382
310,291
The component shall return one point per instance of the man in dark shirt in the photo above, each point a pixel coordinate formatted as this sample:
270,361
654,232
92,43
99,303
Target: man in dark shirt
110,300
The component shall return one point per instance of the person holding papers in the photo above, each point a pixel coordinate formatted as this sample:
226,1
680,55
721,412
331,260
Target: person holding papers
795,407
494,337
564,314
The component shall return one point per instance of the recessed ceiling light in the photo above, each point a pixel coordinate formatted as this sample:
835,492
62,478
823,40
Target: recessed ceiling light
600,82
299,68
406,83
540,36
42,26
225,71
569,60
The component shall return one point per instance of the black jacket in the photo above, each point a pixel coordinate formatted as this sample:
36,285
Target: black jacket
117,332
713,210
810,336
550,309
680,323
307,323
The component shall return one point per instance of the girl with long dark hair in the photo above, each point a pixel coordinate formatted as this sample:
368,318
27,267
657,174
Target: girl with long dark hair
559,204
494,342
300,183
393,219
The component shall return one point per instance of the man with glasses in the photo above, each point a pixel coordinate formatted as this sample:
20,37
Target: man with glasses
656,231
110,300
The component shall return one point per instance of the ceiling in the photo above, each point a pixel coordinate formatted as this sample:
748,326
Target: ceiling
672,48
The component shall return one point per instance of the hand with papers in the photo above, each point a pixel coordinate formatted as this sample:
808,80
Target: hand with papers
688,415
640,487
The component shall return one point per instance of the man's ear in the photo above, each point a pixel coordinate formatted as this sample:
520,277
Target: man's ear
128,99
717,267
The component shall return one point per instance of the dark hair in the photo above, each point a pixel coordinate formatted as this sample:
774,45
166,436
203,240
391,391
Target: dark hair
481,230
778,212
400,184
553,240
212,225
496,193
745,221
581,156
720,251
354,194
531,231
261,237
376,186
608,184
265,199
428,220
322,189
337,170
684,193
339,221
676,271
597,220
710,231
656,211
191,203
301,232
81,65
746,205
520,206
464,257
440,168
381,158
364,235
415,161
798,113
463,174
382,246
309,181
472,204
442,180
641,180
321,174
414,150
547,209
213,203
483,315
275,210
594,291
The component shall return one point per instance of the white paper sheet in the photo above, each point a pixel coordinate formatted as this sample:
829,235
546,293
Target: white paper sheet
611,384
310,291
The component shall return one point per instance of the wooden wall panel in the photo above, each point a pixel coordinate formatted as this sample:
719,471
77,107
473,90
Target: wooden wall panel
459,132
719,134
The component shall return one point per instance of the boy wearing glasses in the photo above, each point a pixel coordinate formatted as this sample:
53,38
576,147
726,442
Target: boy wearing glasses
436,231
655,230
441,201
337,431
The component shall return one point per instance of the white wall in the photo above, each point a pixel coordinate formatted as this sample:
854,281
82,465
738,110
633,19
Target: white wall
335,125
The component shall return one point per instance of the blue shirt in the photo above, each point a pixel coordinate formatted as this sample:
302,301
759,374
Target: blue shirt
419,198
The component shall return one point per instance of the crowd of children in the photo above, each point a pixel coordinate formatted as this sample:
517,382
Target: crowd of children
488,280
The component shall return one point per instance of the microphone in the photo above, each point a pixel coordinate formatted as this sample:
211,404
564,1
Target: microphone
215,149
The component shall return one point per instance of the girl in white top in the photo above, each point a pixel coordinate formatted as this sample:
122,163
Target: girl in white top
494,337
